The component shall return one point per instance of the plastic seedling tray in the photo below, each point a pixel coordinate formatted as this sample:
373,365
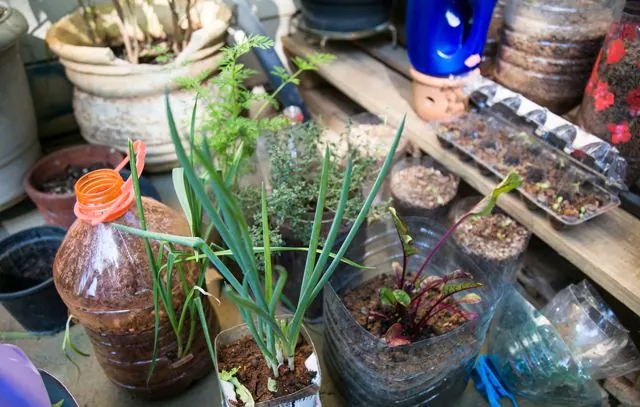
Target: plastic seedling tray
497,146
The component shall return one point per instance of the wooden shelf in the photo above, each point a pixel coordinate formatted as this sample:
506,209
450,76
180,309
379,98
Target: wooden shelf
607,249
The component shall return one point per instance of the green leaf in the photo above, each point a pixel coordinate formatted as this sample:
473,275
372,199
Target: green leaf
228,375
450,289
471,298
402,297
486,205
272,385
58,404
241,390
386,297
180,187
403,233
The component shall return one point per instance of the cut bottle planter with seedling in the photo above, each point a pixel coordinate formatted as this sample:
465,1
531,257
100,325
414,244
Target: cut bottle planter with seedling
401,334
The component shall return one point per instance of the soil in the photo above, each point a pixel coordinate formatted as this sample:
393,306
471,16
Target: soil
496,237
423,187
63,183
551,180
254,373
15,280
365,298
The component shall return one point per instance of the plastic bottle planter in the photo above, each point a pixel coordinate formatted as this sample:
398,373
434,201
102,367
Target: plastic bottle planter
26,282
57,209
431,372
611,104
437,98
307,397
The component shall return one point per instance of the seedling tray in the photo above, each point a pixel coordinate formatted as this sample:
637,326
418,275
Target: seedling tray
553,183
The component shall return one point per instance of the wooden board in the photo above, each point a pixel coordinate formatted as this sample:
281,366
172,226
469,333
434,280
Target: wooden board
606,249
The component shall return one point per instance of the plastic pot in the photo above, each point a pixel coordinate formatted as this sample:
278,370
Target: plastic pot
345,15
431,372
306,397
57,209
57,391
26,282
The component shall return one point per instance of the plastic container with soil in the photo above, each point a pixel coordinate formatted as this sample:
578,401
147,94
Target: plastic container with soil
26,279
494,242
611,102
235,348
420,186
549,46
429,372
104,277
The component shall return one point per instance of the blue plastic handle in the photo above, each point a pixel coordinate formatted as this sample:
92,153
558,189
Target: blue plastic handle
443,34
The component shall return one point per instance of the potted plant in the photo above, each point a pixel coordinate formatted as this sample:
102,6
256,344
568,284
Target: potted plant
256,294
50,182
122,55
401,335
18,138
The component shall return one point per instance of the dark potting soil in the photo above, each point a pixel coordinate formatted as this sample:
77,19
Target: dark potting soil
254,373
365,298
63,183
25,278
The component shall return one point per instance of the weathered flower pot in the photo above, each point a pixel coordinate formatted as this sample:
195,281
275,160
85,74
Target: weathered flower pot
57,208
306,397
430,372
18,137
437,98
115,100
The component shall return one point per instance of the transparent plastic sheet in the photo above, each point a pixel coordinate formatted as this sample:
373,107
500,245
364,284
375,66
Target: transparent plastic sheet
532,359
597,340
430,372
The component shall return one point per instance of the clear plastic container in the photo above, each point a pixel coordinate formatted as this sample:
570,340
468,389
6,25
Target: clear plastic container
532,359
104,278
431,372
611,103
414,193
549,46
597,340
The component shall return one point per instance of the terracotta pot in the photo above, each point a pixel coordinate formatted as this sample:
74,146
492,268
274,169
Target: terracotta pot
57,209
18,138
115,100
437,98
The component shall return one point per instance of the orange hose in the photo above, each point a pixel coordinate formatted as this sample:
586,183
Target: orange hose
102,195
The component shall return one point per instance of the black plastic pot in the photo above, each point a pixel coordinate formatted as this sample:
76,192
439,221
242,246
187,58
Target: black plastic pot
345,15
26,279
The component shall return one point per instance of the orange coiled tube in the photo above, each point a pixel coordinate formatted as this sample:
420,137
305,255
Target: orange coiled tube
102,195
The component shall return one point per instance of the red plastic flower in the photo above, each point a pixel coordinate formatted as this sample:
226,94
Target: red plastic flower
594,72
633,100
619,132
616,51
629,32
602,96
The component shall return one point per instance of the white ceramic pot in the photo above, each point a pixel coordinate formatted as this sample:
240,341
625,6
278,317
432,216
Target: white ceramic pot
19,147
115,100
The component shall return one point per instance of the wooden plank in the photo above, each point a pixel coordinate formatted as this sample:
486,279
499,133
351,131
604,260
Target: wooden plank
606,249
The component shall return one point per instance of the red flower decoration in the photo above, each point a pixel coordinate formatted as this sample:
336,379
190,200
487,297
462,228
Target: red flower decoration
603,97
619,132
629,32
594,72
616,51
633,100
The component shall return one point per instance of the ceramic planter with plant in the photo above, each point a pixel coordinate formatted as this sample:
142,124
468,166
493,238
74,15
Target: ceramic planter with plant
122,55
18,137
407,333
286,364
294,159
50,182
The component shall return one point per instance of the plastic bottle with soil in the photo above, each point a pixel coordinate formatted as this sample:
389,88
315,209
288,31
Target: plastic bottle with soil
549,46
104,277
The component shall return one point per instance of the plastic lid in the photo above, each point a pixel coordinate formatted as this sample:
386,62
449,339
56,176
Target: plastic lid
102,195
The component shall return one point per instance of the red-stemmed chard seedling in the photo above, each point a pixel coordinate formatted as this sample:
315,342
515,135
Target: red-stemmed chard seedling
411,306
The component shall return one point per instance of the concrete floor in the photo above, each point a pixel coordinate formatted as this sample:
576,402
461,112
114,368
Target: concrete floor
91,387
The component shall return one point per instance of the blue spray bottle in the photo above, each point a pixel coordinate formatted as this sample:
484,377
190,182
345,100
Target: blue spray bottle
446,37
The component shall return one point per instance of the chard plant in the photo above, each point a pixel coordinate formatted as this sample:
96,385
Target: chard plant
258,291
410,307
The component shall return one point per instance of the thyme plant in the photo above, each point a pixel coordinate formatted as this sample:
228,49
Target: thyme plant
257,293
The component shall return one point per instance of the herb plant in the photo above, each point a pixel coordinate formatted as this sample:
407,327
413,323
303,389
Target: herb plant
257,292
230,135
411,305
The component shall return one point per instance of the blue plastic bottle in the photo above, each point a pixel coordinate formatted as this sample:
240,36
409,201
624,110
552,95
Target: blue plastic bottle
443,34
